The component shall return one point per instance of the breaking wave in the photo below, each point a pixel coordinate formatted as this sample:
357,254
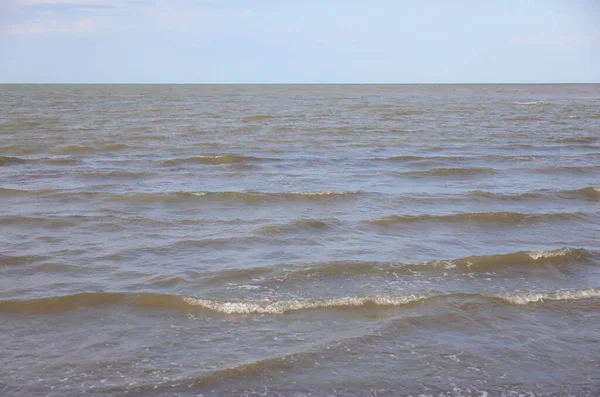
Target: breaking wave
212,160
566,295
182,197
246,197
146,301
533,103
561,259
491,218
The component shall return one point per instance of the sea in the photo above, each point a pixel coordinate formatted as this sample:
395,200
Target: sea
300,240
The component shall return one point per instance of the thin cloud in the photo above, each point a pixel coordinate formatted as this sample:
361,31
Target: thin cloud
558,40
48,27
29,3
39,17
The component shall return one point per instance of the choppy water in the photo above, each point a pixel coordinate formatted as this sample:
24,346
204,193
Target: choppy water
300,240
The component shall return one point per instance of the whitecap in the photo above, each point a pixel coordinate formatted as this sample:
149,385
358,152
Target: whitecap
283,306
532,103
549,254
565,295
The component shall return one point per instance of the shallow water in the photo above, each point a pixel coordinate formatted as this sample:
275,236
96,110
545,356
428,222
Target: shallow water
300,240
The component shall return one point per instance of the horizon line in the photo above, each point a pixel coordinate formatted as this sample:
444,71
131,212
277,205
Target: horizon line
283,83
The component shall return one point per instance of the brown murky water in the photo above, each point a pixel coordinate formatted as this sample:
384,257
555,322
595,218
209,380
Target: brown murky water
300,240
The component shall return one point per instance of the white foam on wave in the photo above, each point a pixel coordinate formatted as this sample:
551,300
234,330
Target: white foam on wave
198,193
321,193
549,254
280,307
448,264
524,299
533,103
246,286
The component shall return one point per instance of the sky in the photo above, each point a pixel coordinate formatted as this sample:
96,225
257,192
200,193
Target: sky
299,41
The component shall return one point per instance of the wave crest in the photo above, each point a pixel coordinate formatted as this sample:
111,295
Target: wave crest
449,172
256,117
582,139
299,225
588,193
533,103
561,259
5,160
247,197
222,159
566,295
280,307
252,198
481,217
146,301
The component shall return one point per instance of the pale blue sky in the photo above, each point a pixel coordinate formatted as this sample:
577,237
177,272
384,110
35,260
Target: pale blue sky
309,41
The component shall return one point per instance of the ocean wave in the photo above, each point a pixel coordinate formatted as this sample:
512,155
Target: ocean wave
562,259
18,123
500,196
245,167
252,198
583,139
298,225
212,160
241,371
524,118
113,175
19,149
148,301
12,260
491,218
246,197
533,103
549,254
497,158
41,193
586,170
284,306
390,116
57,161
410,158
5,161
565,295
50,221
116,146
449,172
588,193
79,149
256,117
76,149
406,158
11,192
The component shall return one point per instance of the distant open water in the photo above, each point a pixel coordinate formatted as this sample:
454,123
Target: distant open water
300,240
